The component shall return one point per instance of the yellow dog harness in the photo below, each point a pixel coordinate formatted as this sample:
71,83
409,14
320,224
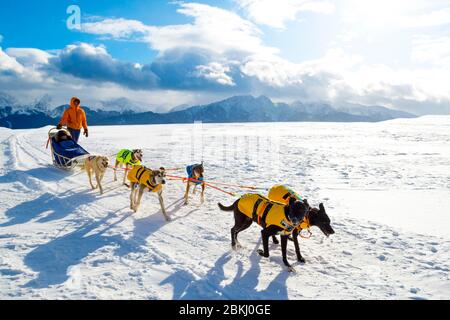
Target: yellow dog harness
265,212
282,194
143,175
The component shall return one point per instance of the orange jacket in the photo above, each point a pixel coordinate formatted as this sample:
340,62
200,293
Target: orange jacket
74,117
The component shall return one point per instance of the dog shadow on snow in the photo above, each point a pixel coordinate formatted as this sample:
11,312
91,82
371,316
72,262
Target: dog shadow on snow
148,225
53,259
53,206
243,286
45,173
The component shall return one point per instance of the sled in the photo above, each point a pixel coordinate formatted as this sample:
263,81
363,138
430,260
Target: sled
66,154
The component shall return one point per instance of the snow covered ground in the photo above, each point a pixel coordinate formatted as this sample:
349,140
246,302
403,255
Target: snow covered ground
386,187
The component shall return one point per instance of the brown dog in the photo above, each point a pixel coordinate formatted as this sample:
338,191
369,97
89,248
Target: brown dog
195,172
96,165
142,178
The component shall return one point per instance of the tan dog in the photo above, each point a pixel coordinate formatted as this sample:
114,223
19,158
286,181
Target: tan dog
96,165
144,178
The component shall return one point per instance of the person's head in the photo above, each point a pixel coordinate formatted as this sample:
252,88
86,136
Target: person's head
75,102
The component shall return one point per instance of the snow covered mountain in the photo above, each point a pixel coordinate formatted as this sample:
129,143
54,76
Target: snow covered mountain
234,109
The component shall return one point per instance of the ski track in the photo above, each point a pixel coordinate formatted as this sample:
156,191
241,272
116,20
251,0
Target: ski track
61,240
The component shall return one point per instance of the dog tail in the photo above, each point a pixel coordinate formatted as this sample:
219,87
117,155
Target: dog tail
224,208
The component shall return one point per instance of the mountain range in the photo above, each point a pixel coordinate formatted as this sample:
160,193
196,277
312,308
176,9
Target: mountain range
234,109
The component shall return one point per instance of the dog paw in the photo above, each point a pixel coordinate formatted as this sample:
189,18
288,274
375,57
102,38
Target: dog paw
291,269
301,260
261,253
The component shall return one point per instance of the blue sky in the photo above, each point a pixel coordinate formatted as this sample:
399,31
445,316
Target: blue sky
159,54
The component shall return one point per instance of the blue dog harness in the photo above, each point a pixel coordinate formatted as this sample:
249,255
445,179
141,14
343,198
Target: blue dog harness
190,173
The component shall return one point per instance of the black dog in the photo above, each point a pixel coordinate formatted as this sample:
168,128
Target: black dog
274,217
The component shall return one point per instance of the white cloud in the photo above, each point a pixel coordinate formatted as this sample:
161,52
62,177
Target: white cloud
117,28
29,56
276,13
220,54
9,64
434,18
433,50
216,72
213,29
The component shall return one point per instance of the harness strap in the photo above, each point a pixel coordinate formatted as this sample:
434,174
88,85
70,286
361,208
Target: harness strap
265,213
151,186
255,210
287,195
125,154
139,173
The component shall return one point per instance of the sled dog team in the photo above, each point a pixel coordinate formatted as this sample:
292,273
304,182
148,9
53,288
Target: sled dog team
283,212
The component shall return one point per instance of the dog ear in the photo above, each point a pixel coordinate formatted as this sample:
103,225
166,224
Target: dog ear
291,201
162,169
321,207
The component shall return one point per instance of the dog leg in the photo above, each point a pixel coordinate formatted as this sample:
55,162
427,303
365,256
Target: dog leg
139,197
163,209
115,170
186,195
297,247
99,185
284,240
132,196
233,238
202,197
265,240
275,240
89,173
125,175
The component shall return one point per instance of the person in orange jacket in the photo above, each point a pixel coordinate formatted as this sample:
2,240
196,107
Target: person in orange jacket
74,118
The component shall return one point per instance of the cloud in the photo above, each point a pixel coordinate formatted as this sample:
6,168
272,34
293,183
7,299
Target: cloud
214,29
9,65
216,72
433,50
434,18
90,62
29,56
275,13
219,54
117,28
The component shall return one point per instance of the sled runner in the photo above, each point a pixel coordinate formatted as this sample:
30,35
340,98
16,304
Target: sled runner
66,153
